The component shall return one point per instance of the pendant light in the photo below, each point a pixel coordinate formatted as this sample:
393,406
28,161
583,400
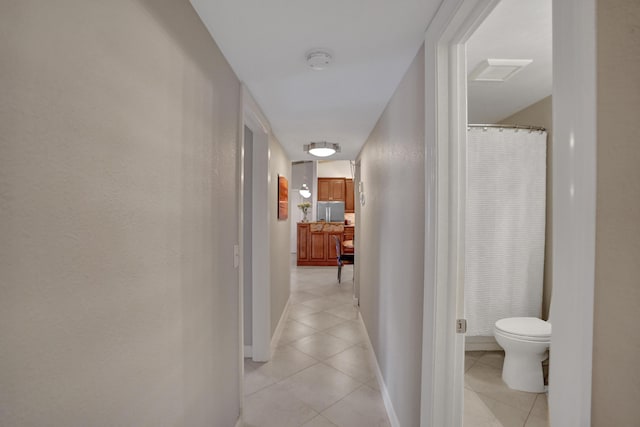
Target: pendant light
304,191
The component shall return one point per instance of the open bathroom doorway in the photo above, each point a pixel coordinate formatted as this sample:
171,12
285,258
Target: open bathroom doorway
574,105
507,225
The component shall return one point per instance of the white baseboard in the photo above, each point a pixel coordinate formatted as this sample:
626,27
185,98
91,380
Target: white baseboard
391,413
248,351
276,334
481,344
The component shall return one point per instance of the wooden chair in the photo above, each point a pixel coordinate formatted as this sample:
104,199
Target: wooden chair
342,258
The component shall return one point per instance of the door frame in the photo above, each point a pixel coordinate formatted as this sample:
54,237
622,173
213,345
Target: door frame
445,132
574,210
254,119
574,191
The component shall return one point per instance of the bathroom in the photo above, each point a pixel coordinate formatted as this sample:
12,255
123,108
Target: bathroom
508,216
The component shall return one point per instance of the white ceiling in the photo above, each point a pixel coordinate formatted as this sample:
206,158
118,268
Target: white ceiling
516,29
372,41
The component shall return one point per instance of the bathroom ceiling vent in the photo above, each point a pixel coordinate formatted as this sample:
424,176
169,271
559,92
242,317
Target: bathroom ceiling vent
498,70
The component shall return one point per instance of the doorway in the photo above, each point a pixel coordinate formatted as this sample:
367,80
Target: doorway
507,225
254,230
247,239
573,211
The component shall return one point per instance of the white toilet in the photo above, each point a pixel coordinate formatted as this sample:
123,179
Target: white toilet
525,341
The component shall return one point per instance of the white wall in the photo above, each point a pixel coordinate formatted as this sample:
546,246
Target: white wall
334,169
118,216
390,242
279,234
302,173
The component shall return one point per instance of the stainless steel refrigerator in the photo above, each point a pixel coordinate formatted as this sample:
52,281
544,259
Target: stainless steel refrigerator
331,211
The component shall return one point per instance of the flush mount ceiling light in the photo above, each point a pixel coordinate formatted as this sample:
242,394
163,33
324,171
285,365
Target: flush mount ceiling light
318,59
498,70
322,149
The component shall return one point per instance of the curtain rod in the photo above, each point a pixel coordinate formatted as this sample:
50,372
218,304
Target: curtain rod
517,127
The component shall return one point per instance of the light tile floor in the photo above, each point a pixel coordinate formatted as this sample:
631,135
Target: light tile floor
489,402
321,373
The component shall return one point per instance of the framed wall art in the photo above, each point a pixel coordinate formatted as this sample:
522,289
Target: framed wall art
283,198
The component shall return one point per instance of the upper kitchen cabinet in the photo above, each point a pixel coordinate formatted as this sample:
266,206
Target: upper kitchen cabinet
349,202
331,189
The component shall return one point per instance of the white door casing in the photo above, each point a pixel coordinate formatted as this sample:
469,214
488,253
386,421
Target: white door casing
261,287
446,124
574,211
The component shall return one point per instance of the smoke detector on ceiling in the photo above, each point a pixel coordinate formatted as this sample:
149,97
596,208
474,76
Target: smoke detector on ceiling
318,59
498,70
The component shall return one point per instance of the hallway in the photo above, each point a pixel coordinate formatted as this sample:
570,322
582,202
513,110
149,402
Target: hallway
321,373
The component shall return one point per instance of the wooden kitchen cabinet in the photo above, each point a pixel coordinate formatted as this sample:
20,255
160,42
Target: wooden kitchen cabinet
349,234
331,189
349,231
336,189
349,200
303,241
316,245
323,189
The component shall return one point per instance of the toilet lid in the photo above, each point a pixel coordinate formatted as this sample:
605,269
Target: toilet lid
525,326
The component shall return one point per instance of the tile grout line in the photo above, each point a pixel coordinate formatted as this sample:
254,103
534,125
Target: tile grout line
480,365
339,300
345,396
531,410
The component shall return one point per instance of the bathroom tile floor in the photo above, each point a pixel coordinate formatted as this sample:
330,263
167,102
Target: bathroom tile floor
321,373
489,402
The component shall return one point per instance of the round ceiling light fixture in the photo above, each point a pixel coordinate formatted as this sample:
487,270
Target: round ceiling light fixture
318,59
322,149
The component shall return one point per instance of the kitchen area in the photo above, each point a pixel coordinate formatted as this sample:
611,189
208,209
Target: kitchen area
328,225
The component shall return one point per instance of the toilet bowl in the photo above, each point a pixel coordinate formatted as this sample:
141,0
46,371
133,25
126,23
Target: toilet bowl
525,341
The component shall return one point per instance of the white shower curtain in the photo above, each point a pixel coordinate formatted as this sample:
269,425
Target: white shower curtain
504,226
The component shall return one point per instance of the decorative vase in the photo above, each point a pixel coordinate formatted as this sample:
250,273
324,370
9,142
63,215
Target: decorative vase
304,216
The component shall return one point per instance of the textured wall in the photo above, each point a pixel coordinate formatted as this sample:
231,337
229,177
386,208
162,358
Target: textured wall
334,169
390,241
616,341
541,114
118,296
279,233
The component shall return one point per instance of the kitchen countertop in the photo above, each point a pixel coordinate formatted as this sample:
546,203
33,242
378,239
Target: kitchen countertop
327,226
